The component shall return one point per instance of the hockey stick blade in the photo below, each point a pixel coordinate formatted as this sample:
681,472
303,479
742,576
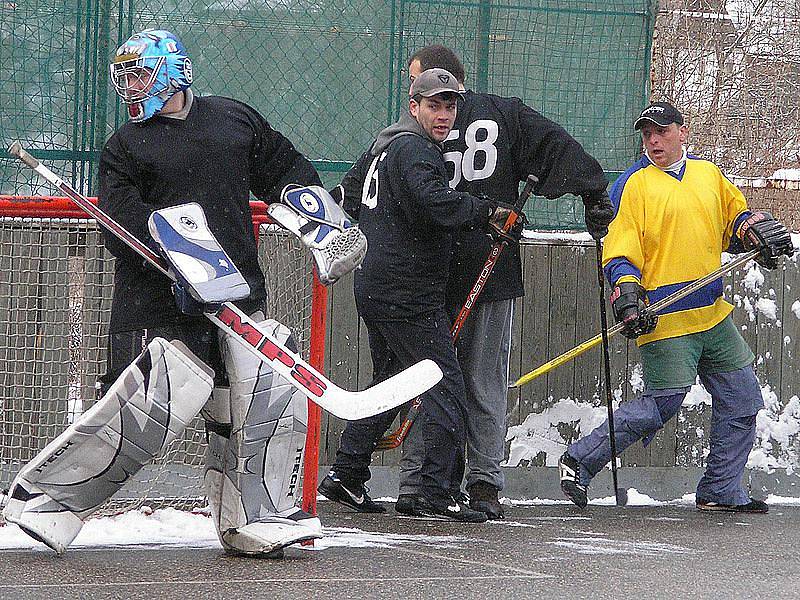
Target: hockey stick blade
654,308
339,402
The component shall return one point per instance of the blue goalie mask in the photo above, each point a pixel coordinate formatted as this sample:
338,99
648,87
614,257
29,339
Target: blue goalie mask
148,69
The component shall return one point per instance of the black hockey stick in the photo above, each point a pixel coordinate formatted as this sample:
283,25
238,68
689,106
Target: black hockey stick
620,495
388,394
394,439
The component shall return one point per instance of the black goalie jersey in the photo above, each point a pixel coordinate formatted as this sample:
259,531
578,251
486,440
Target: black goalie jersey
495,144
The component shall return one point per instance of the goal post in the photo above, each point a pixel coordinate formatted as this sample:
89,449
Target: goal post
56,282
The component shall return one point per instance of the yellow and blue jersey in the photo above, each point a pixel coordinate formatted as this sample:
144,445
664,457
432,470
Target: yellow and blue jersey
670,230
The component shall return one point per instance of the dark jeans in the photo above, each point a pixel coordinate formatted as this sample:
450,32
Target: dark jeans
395,345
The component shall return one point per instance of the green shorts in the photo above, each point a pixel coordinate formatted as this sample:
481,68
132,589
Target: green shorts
676,362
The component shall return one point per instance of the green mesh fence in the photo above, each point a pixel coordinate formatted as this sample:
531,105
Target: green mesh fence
328,73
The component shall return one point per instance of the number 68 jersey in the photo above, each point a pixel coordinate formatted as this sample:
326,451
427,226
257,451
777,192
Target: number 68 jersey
495,144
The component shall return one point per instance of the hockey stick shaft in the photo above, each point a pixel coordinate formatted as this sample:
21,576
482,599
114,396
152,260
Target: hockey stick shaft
655,308
346,405
394,439
607,371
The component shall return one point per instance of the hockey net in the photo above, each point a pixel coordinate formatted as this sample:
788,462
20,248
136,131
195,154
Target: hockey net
56,282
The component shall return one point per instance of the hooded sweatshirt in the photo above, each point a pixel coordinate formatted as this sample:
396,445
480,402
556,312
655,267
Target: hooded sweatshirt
399,193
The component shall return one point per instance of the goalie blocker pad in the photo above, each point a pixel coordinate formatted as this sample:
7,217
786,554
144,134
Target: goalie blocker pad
142,412
337,245
198,261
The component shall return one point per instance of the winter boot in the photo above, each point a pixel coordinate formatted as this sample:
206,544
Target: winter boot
407,505
483,498
754,506
447,508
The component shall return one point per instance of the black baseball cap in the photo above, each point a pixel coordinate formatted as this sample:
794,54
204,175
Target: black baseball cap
660,113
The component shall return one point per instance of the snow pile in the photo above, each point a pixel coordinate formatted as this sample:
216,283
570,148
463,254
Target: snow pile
539,433
796,308
776,434
164,527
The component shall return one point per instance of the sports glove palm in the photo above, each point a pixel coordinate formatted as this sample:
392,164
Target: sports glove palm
761,231
628,303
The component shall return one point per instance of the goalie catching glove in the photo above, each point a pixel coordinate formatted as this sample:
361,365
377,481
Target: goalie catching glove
761,231
628,303
337,245
505,221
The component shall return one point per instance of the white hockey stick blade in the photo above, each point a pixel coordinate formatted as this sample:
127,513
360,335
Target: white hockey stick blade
341,403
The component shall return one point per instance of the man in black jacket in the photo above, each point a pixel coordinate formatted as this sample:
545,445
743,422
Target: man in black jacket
409,214
495,144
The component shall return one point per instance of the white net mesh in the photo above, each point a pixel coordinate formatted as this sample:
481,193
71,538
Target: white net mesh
55,297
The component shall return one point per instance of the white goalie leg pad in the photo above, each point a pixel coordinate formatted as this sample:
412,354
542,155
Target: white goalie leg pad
195,256
253,477
142,412
337,245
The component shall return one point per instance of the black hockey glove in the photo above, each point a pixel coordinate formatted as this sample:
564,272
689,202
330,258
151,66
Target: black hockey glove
598,212
628,303
505,223
761,231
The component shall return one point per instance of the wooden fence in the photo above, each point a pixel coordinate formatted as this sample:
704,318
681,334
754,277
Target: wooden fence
559,311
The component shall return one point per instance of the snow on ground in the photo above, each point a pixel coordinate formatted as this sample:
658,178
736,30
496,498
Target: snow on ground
173,528
600,544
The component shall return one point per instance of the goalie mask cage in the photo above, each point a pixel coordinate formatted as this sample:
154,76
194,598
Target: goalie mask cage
56,282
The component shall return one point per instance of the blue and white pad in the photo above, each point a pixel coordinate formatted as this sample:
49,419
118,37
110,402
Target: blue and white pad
337,245
144,410
254,459
195,256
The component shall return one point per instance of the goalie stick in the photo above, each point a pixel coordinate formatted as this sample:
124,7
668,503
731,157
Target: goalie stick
341,403
394,439
653,308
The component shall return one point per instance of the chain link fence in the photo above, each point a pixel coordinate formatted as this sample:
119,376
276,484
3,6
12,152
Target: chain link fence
330,74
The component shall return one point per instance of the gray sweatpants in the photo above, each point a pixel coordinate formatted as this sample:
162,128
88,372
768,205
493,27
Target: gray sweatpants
483,348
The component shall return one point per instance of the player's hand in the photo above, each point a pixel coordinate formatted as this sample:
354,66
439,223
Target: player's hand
598,212
761,231
630,308
505,222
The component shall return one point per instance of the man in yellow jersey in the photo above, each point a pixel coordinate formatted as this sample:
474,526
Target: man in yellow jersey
675,214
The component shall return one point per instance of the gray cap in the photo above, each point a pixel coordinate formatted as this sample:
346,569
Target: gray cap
434,81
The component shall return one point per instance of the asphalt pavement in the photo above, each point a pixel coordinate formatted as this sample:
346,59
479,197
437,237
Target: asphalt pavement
539,551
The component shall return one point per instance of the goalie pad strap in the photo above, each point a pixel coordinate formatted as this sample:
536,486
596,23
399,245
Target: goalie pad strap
146,408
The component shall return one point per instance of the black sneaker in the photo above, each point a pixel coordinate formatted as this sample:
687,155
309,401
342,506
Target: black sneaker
569,472
407,505
448,508
483,498
353,495
754,506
